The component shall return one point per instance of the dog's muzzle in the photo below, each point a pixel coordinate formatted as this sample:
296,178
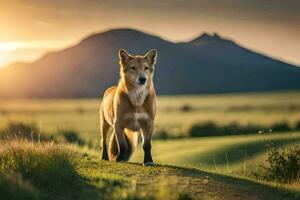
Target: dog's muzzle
142,80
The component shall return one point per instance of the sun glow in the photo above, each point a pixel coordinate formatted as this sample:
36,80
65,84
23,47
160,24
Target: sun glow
11,46
27,51
8,52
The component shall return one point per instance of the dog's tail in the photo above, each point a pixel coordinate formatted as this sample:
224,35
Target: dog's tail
131,140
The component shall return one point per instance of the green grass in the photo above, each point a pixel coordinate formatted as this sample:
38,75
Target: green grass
50,171
234,155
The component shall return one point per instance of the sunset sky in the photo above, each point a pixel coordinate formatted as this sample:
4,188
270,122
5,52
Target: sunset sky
30,28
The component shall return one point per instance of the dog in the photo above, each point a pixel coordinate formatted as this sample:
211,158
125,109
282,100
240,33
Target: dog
129,108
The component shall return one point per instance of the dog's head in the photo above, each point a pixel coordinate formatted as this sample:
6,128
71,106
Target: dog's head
137,70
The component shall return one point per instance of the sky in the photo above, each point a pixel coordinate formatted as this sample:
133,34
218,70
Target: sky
30,28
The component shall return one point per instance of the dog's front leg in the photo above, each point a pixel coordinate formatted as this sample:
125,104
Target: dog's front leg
147,132
121,141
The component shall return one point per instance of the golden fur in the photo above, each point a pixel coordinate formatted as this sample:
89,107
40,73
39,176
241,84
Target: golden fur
129,108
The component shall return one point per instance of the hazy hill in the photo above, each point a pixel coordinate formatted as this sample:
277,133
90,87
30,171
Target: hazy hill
207,64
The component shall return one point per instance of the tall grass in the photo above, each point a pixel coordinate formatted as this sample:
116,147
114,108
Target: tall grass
282,165
45,166
13,186
32,133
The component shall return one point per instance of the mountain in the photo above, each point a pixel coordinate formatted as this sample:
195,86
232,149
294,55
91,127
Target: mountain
207,64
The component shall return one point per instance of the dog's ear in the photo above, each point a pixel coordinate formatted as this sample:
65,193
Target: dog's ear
151,56
124,57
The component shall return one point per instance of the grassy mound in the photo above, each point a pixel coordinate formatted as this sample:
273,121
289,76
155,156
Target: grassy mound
50,171
46,170
44,166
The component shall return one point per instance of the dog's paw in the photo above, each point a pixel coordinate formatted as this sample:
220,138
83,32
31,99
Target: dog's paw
149,164
105,157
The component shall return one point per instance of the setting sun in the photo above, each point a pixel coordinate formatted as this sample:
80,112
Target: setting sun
10,46
27,51
6,51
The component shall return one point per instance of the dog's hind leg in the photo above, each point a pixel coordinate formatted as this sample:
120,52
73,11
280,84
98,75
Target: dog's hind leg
122,154
104,127
113,148
131,139
120,142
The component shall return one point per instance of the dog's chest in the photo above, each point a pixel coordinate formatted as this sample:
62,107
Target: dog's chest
138,96
134,120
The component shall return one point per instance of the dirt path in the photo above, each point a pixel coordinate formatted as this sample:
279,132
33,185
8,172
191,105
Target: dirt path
192,183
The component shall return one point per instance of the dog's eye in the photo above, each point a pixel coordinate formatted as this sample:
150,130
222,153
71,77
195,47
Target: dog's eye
132,67
146,68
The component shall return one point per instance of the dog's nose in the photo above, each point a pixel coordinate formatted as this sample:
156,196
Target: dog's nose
142,80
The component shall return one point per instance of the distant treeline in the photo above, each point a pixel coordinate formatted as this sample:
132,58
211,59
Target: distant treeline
206,129
238,108
212,129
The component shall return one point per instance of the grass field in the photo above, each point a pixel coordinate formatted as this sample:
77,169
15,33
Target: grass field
174,114
232,155
235,156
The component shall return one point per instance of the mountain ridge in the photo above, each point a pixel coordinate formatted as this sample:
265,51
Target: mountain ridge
207,64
